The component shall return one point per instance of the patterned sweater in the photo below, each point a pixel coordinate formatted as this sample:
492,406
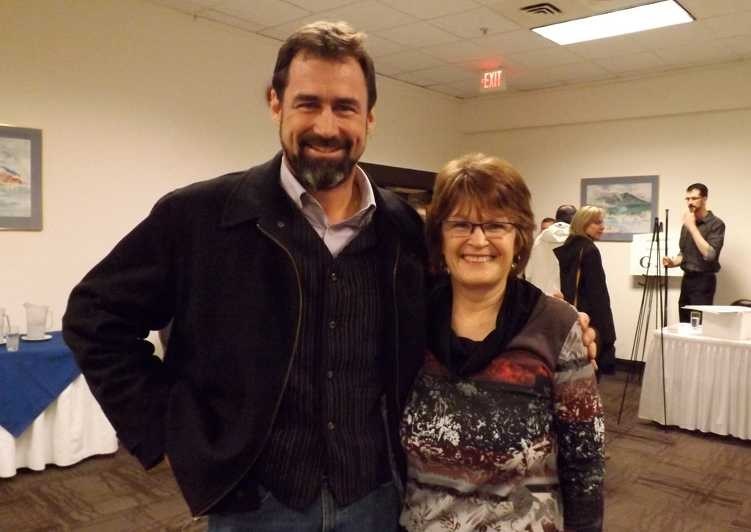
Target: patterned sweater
517,446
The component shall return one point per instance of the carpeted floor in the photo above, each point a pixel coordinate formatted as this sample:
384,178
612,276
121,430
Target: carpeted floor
657,480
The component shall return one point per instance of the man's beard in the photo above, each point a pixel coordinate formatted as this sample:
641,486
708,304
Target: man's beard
321,174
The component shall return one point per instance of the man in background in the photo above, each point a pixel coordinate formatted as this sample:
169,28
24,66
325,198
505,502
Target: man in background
542,269
701,240
546,222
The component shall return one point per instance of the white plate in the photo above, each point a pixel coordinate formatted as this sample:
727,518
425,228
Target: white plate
42,339
2,341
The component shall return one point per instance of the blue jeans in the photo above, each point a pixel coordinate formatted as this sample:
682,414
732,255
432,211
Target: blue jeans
378,511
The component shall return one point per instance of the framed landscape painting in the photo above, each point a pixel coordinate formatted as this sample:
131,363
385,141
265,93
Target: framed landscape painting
20,179
630,204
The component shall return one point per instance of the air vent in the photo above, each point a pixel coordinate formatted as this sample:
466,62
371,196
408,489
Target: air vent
541,9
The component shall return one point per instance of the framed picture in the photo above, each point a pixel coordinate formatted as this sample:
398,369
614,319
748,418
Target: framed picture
20,179
630,204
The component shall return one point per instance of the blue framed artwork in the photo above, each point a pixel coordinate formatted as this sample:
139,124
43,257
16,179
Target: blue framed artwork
630,204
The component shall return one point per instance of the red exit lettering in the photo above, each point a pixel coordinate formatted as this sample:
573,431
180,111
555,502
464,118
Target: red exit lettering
492,80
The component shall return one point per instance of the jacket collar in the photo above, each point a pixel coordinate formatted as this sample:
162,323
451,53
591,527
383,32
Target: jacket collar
256,194
259,194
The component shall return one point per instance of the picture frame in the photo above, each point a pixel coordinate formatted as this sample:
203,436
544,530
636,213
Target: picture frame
630,204
20,179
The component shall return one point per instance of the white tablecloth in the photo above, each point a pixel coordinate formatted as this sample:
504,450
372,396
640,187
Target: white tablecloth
71,428
707,384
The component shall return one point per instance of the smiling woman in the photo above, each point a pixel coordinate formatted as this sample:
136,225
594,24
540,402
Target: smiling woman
504,424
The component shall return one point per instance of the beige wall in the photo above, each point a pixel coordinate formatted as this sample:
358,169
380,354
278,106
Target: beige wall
685,127
135,100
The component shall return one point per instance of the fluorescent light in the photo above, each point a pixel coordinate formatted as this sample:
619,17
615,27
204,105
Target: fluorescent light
632,20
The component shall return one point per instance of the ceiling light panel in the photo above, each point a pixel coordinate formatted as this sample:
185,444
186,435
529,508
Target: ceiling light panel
635,19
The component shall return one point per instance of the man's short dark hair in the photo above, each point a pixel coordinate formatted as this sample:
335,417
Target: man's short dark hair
701,187
325,40
565,213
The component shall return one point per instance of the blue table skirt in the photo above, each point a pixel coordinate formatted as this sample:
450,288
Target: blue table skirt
31,379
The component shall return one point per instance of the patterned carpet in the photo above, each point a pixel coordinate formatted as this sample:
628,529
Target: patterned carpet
657,480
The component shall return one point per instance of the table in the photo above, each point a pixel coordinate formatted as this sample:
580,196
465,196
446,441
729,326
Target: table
707,383
47,412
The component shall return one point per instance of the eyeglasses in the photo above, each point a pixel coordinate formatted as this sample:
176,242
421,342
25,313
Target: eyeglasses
464,228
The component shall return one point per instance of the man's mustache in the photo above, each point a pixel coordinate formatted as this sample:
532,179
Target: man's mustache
312,139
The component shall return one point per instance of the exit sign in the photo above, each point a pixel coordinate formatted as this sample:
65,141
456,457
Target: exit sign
493,80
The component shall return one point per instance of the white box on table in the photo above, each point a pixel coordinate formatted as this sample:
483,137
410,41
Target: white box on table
724,321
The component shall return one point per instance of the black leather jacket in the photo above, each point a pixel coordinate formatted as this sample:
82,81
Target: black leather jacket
212,258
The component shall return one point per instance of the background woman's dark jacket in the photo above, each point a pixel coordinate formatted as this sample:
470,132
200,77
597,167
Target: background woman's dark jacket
593,295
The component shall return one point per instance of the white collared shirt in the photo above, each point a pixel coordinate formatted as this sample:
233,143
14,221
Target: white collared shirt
335,236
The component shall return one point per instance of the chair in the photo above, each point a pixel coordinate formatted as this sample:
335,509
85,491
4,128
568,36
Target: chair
742,302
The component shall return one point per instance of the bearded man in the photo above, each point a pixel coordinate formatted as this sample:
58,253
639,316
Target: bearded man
295,291
700,244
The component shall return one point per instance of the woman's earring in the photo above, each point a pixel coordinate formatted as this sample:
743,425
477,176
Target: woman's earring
444,266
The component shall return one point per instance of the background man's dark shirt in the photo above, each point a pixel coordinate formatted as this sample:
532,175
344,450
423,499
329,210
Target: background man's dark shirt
713,231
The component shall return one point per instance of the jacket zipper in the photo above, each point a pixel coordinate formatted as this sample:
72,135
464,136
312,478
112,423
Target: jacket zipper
384,398
286,377
396,325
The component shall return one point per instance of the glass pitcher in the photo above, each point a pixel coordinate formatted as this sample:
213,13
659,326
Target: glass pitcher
38,320
4,324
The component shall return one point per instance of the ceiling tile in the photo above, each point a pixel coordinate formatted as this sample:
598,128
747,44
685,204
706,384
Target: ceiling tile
470,23
417,35
673,35
282,31
460,89
378,46
700,53
436,75
611,46
315,6
456,51
263,12
579,72
741,44
730,25
186,6
415,78
713,8
630,62
532,80
405,62
230,20
369,16
514,41
545,58
428,9
492,62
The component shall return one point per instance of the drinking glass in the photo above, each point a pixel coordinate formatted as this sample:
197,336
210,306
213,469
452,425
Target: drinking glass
13,339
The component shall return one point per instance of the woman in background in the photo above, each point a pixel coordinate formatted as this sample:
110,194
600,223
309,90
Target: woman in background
503,429
583,280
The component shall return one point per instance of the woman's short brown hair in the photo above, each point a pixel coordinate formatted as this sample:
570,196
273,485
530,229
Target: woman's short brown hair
583,217
478,181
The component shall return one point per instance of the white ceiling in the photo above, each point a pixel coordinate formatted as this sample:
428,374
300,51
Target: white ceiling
445,45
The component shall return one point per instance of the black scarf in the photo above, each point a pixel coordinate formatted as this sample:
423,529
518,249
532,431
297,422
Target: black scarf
466,358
